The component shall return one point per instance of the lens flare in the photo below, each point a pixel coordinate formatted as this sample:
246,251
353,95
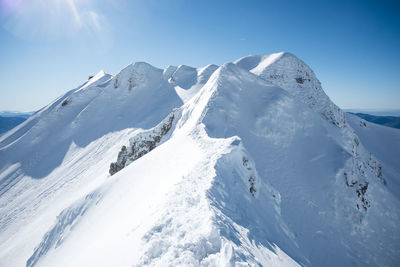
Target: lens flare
9,5
53,19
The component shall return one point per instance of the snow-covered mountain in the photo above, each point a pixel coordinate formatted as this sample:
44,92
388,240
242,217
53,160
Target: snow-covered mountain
249,163
389,121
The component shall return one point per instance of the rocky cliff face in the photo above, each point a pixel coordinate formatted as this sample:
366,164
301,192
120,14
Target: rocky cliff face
143,142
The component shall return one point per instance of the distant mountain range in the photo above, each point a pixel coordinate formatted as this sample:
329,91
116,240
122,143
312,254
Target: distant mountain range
376,112
16,114
10,119
390,121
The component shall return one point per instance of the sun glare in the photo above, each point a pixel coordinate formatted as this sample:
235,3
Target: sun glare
51,18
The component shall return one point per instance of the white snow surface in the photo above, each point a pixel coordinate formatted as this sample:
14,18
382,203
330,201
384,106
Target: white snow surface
258,168
292,74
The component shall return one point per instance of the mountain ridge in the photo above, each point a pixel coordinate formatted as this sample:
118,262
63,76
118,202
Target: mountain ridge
389,121
216,166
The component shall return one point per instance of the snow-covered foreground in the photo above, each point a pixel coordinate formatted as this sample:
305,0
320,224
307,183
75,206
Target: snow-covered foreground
248,163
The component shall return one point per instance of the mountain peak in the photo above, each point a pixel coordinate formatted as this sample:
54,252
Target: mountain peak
253,61
138,74
214,166
292,74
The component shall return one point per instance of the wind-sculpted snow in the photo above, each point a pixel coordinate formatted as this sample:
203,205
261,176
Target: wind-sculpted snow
187,80
192,239
293,75
64,225
248,163
212,233
137,75
292,145
184,76
250,226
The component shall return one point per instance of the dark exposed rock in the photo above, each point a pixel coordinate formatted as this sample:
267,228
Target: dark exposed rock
301,80
121,160
361,191
380,172
252,178
65,102
276,76
349,184
252,186
131,84
116,83
246,163
141,144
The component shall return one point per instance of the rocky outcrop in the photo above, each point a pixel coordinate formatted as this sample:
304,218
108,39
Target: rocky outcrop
65,102
143,143
252,180
121,161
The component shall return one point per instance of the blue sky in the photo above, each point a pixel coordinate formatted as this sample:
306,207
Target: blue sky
50,46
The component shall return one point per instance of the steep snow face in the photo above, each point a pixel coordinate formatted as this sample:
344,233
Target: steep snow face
100,78
379,141
205,73
184,76
187,80
219,166
293,75
138,74
293,147
258,62
137,97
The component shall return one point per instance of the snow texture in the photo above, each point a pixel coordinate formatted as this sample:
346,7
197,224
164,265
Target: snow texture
245,164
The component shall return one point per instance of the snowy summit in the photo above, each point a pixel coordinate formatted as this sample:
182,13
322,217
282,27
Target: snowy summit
245,164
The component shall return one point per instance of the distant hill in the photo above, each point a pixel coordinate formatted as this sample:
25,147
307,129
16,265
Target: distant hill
16,114
10,119
390,121
7,123
375,112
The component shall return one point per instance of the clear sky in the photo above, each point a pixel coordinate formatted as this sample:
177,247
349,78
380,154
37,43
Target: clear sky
50,46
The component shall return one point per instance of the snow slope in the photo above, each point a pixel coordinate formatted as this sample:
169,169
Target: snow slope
187,80
248,163
292,74
382,142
